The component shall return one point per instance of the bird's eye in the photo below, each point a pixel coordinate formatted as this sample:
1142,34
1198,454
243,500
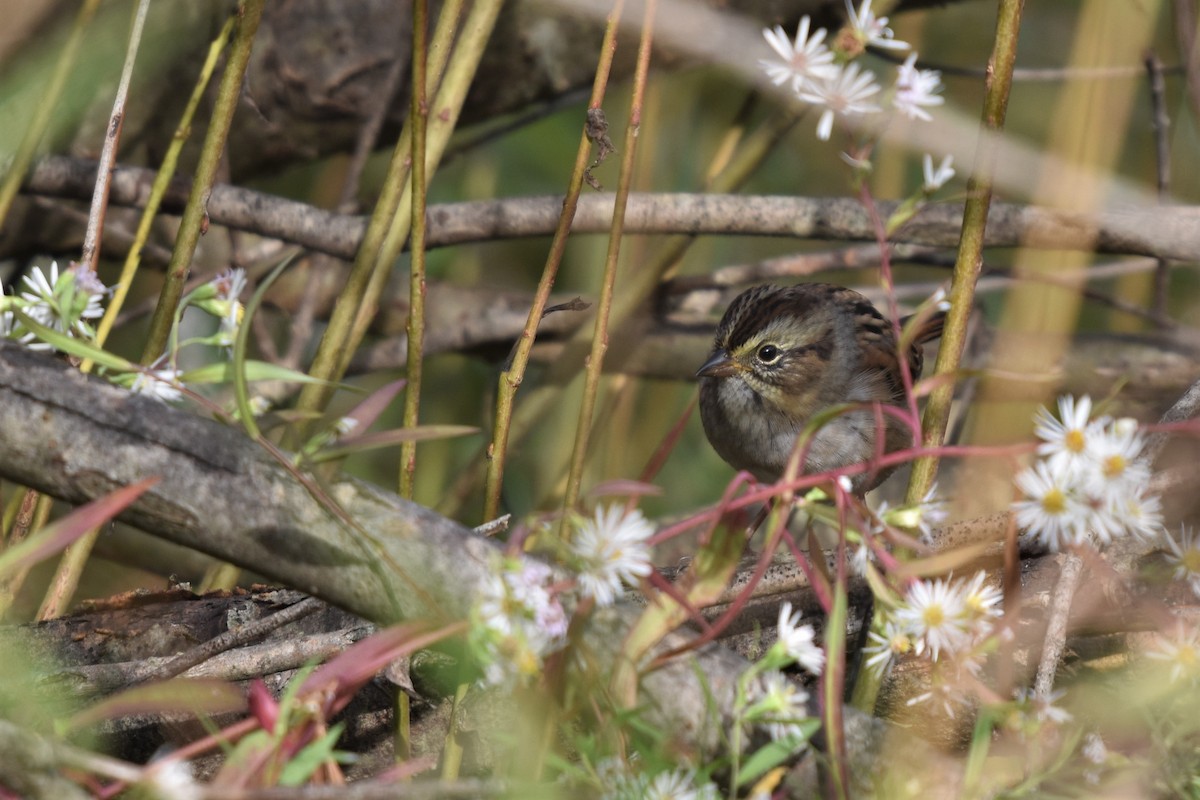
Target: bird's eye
768,354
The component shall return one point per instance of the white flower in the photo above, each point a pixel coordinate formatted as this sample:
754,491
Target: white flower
517,621
1181,651
611,548
1184,556
679,784
171,780
61,301
1041,707
345,426
922,517
872,30
886,646
981,601
936,179
847,92
804,59
1094,749
1070,435
161,384
1115,457
779,705
230,284
916,90
1054,513
798,640
933,612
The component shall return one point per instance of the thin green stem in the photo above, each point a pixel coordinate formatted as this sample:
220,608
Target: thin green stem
595,362
194,213
389,225
514,373
452,93
419,118
970,249
45,108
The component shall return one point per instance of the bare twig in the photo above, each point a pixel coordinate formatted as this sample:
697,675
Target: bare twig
228,640
112,136
1167,232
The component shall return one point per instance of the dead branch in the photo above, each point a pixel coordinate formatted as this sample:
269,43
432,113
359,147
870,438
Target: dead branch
1161,232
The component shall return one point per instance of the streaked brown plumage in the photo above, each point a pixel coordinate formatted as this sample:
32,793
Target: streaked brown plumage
782,355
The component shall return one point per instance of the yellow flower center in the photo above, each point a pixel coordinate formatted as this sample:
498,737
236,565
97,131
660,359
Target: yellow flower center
1075,440
1191,560
1187,657
934,616
1114,466
1054,502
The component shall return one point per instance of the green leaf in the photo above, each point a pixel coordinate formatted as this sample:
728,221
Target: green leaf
773,754
71,346
225,372
308,760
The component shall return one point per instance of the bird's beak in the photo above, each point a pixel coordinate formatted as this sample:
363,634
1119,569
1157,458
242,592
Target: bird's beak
719,365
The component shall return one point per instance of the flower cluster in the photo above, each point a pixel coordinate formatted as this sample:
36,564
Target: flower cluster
219,297
832,81
620,783
64,302
518,620
1089,484
937,618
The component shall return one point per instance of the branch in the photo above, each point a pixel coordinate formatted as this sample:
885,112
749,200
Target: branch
1167,232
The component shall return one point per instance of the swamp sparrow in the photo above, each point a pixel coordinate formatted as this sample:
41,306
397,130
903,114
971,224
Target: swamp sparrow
784,354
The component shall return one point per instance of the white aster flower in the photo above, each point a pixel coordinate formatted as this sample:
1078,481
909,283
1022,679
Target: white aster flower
1115,457
1184,556
345,426
872,30
1094,749
611,548
885,646
803,60
1040,707
171,780
933,612
936,179
1070,435
1181,651
161,384
679,784
922,517
799,640
780,706
63,301
517,621
982,604
916,90
951,683
845,93
1054,513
